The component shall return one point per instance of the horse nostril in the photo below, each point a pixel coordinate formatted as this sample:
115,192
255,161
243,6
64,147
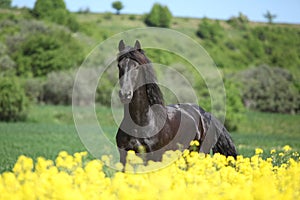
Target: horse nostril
128,95
125,95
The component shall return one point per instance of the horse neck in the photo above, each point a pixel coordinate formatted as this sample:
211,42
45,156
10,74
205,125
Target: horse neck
139,107
149,94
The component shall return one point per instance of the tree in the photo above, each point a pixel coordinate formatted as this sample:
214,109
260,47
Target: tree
13,101
159,16
5,3
41,53
269,17
54,11
118,6
210,30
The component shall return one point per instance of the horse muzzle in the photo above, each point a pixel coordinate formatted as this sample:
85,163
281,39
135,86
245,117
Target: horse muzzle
125,96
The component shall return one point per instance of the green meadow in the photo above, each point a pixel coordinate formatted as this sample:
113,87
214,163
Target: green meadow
50,129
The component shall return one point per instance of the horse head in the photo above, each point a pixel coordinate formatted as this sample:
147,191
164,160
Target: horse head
130,60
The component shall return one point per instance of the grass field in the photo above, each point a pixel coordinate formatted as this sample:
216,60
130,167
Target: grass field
50,129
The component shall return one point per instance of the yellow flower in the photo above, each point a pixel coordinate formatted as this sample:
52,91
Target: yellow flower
191,175
273,151
194,142
287,148
281,154
258,151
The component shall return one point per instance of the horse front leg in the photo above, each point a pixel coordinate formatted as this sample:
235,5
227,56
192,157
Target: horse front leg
123,155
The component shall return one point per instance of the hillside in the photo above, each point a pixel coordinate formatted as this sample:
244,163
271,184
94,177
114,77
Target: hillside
240,45
41,54
236,42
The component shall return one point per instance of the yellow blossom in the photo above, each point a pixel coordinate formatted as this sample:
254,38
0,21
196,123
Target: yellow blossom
258,151
194,142
180,175
287,148
273,151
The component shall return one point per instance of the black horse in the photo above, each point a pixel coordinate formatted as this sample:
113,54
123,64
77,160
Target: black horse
149,126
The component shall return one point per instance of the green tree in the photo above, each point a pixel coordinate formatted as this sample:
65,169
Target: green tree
210,30
13,101
54,11
270,17
6,63
41,53
5,3
159,16
118,6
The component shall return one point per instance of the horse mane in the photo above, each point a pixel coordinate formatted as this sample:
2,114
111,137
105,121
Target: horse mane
154,93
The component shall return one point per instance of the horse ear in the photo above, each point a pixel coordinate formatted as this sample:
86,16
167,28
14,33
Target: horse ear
121,45
137,45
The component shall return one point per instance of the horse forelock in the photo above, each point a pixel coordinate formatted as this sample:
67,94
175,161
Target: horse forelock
134,54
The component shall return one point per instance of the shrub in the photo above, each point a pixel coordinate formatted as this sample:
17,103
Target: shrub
54,11
34,89
132,17
270,90
6,63
5,3
107,15
159,16
41,51
234,104
104,90
13,101
239,22
58,88
210,30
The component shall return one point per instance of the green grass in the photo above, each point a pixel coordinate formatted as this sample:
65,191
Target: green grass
34,140
50,129
267,131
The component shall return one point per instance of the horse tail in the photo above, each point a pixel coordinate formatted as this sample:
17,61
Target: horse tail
225,144
217,137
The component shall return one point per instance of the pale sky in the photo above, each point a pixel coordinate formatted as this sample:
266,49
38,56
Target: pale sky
287,11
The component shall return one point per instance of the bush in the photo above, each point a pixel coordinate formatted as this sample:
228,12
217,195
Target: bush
34,90
239,22
132,17
210,30
107,15
58,88
234,104
104,90
6,63
13,101
54,11
159,16
41,50
5,3
270,90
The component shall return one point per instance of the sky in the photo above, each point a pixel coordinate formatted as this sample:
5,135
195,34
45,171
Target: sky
286,11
